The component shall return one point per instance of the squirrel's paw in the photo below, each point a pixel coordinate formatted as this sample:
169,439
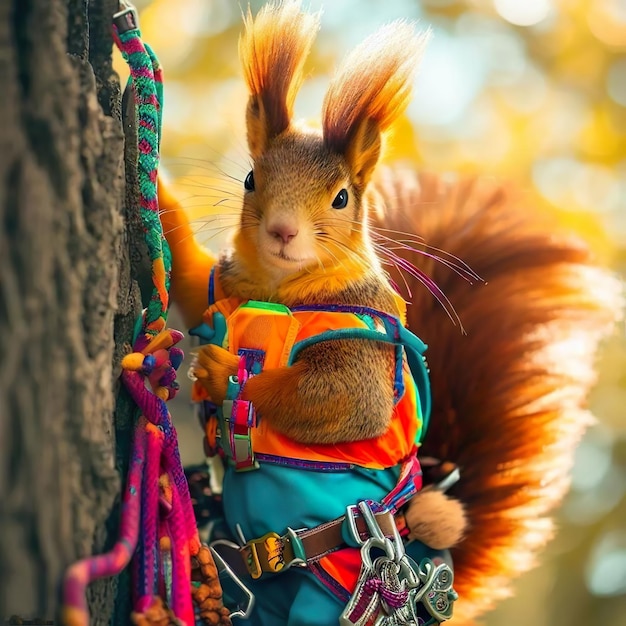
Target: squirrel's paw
212,367
435,519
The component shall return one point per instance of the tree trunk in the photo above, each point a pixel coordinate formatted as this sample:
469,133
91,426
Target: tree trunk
68,300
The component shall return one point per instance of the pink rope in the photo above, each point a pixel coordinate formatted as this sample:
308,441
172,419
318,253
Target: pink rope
82,573
146,561
181,563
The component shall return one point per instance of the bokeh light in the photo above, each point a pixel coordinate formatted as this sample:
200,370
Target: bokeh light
526,13
616,81
606,570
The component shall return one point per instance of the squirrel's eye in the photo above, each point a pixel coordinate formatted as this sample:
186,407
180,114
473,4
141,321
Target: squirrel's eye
249,182
341,200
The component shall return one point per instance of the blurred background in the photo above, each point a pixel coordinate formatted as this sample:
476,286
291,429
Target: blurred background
529,90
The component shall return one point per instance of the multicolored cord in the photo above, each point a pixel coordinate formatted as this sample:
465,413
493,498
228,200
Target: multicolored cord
157,526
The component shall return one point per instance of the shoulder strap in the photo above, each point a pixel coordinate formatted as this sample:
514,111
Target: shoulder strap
203,331
211,286
393,333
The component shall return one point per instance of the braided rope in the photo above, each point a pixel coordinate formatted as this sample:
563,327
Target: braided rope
75,611
155,445
146,79
181,563
146,555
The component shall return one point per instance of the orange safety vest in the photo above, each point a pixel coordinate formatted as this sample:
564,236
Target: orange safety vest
272,336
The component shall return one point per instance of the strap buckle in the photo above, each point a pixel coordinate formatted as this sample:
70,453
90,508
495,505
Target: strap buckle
352,535
239,418
271,553
126,18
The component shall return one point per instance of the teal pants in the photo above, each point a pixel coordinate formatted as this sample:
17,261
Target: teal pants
273,498
295,598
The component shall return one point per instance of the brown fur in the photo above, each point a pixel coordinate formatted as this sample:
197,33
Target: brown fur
508,397
435,519
369,92
341,392
272,50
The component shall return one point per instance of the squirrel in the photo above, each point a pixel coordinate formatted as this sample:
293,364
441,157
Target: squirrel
320,217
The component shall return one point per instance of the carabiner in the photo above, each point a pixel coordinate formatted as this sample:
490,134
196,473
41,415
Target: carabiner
376,532
244,610
370,521
376,544
126,17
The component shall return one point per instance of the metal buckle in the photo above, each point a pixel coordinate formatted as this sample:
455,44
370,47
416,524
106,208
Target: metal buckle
226,573
434,589
126,18
354,538
238,418
271,553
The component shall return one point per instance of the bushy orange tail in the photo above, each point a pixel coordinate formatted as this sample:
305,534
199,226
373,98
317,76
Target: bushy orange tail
508,396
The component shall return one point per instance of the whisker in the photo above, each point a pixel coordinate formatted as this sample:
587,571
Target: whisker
231,220
200,185
396,232
217,232
404,265
205,162
434,289
460,268
452,259
322,238
173,230
208,217
207,203
200,197
234,193
202,229
330,253
444,262
392,259
320,264
454,263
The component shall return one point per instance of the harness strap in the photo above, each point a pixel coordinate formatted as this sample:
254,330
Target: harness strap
273,553
394,333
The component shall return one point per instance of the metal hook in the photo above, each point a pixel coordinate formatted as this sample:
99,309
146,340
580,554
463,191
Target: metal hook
372,543
126,18
223,567
370,520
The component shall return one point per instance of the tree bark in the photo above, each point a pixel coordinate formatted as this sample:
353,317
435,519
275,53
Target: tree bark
69,234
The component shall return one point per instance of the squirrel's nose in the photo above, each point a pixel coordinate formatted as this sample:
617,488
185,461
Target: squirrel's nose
283,232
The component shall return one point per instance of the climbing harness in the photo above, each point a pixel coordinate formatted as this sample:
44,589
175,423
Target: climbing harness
391,589
157,527
269,335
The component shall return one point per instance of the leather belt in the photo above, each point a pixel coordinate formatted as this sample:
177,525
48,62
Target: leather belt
273,553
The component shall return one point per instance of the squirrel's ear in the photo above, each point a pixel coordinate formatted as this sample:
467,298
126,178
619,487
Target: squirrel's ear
272,50
370,91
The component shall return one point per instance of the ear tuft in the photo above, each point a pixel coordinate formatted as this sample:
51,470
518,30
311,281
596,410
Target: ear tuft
272,50
372,88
